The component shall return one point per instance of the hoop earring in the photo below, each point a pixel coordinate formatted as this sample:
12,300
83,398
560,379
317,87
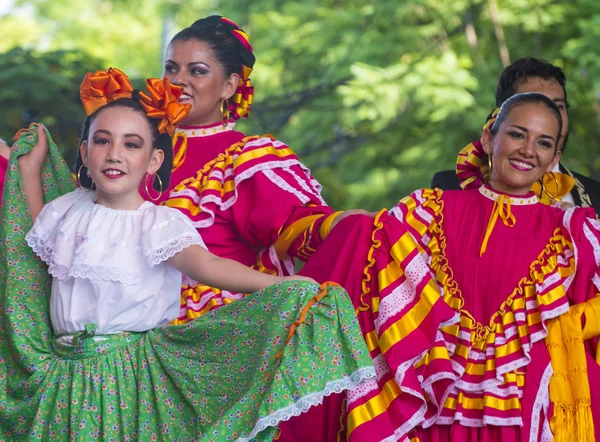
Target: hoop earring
148,192
85,189
548,194
225,113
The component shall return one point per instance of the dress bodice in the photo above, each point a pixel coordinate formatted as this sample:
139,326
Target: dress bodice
109,266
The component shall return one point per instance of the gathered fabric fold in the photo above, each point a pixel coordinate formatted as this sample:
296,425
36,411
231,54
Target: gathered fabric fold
569,384
486,361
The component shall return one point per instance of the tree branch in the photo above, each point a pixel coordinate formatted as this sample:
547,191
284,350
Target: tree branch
495,15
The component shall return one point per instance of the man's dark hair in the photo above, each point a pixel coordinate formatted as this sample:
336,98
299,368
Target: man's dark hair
521,70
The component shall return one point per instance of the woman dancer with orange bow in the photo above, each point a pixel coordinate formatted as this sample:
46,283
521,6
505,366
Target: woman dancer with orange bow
97,362
249,196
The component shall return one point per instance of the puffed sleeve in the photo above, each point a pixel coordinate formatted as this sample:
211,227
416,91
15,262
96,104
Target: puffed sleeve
280,203
42,236
165,233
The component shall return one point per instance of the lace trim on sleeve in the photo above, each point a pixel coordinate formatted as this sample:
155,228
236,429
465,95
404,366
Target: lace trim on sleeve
97,273
37,242
172,247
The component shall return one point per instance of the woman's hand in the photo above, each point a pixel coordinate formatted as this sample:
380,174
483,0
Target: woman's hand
351,212
31,164
299,278
30,169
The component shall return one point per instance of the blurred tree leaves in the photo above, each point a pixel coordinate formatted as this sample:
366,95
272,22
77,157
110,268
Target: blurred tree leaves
375,95
44,87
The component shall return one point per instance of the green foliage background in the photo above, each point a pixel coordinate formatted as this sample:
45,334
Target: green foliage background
374,95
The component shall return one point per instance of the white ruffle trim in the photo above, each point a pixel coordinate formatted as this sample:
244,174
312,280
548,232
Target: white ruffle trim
305,403
38,245
173,247
98,273
79,270
77,238
270,169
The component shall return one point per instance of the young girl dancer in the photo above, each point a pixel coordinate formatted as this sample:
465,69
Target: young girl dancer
97,361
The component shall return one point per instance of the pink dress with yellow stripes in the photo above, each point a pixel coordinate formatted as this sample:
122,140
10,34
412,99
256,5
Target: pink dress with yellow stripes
251,200
494,360
456,335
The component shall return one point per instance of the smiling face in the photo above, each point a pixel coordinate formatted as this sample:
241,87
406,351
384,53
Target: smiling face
192,65
118,154
523,149
553,90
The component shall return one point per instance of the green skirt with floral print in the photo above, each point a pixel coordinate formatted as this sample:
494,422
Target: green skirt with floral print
233,374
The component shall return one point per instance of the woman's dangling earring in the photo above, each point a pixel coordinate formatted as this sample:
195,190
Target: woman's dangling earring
148,191
544,190
225,113
85,189
489,167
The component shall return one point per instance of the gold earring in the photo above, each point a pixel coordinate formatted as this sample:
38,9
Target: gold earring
548,194
489,167
148,191
225,113
85,189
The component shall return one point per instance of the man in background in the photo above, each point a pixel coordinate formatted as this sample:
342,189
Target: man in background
534,75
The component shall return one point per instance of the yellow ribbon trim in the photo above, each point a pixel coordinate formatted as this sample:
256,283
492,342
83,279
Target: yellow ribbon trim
326,225
289,235
467,403
374,406
371,340
366,289
501,209
412,319
340,433
180,156
261,152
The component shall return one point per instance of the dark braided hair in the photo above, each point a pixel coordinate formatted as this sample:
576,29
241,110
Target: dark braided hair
159,141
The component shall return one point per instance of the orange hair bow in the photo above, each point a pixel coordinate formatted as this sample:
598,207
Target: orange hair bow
162,102
100,87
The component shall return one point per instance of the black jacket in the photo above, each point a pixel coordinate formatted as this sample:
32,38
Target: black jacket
586,192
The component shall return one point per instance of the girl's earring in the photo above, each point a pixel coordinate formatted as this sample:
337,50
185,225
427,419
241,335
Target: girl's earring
79,179
148,191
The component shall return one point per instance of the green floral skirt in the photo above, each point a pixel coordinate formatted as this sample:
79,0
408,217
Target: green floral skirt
233,374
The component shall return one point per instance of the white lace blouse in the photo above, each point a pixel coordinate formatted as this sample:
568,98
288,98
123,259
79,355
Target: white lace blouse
109,266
